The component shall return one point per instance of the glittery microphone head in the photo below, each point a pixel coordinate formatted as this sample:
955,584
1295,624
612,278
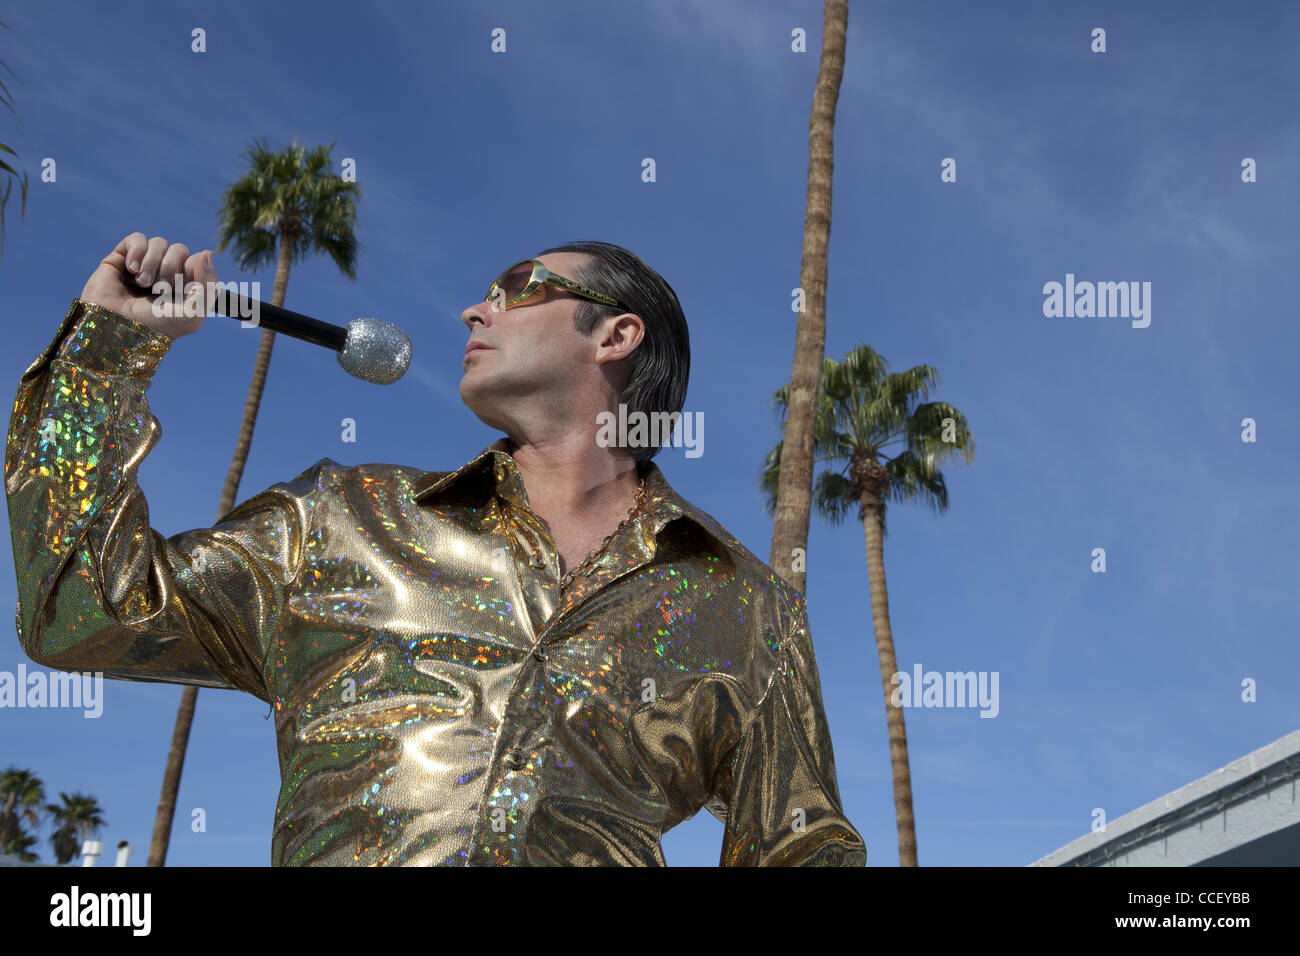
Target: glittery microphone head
375,351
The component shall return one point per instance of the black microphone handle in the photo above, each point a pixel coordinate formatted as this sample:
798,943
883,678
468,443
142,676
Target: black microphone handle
273,317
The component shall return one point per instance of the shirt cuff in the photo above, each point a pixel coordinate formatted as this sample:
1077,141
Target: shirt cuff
101,340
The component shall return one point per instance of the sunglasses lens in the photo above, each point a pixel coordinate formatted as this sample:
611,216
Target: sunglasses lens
514,282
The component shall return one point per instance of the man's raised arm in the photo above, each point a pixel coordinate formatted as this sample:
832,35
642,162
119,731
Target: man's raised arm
98,589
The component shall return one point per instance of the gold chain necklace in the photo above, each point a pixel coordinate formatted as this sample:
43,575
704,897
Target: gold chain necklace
585,566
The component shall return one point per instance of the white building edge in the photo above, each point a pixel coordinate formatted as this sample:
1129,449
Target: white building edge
1244,814
91,851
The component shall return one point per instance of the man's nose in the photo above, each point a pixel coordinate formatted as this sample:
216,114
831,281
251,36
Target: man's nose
475,313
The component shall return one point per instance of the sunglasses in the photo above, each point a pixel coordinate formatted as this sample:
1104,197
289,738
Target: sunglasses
526,281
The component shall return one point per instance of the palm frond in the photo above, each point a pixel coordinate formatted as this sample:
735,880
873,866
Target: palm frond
863,408
294,194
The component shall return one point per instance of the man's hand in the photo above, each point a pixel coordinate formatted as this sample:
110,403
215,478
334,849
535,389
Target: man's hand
154,260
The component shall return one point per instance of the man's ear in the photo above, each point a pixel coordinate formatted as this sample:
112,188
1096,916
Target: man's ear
618,336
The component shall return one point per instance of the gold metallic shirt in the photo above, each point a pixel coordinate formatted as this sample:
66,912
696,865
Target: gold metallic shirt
438,698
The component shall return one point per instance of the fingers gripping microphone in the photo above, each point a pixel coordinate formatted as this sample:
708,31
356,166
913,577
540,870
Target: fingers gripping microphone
369,349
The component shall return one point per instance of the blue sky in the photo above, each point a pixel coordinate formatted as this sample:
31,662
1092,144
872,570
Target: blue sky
1115,688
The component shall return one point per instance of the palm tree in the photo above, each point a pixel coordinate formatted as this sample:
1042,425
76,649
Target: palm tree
860,410
794,501
22,793
80,817
288,205
22,845
6,170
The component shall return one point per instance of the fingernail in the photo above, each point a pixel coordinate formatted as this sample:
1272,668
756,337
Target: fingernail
133,264
143,278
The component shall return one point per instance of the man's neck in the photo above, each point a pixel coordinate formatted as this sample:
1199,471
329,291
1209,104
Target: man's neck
576,482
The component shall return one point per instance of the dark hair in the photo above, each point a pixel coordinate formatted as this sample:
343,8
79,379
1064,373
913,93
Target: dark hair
661,365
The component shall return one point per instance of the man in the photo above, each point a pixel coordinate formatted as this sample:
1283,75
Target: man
545,657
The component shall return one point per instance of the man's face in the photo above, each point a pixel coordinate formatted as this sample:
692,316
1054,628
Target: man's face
533,353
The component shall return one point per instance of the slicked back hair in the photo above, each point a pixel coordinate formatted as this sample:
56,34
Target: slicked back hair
661,365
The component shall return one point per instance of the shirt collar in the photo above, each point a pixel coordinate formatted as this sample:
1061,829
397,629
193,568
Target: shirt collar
494,463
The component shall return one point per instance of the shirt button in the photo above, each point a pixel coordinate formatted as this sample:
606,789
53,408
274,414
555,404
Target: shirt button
515,759
540,652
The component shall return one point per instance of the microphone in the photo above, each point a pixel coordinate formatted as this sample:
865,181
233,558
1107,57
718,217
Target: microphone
368,349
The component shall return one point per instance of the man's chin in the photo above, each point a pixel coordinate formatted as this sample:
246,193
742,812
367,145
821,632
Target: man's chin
477,401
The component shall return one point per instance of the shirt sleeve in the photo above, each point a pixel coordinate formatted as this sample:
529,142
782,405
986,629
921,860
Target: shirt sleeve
777,794
98,588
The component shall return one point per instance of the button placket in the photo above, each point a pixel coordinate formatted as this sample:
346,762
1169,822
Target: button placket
515,758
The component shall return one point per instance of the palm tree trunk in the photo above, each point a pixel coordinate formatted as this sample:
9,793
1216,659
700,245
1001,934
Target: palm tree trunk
162,826
162,821
794,491
65,843
888,668
8,823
